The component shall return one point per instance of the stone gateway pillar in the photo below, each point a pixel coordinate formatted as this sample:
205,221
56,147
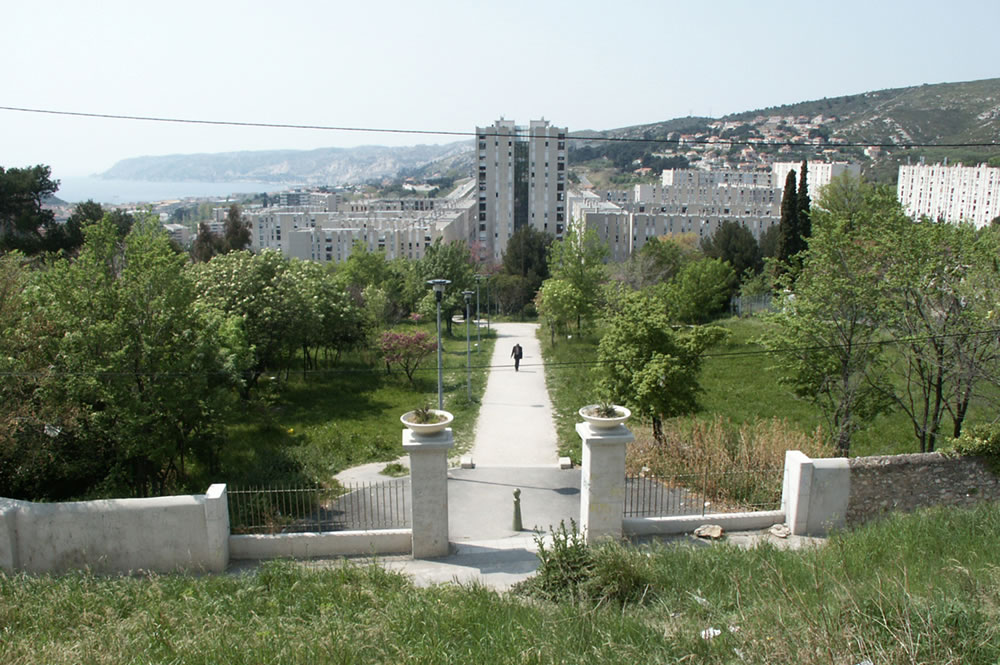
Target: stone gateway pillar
429,491
602,481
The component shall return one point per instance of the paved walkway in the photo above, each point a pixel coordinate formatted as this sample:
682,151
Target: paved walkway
515,426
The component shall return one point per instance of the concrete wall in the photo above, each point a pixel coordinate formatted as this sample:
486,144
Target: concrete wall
311,545
164,534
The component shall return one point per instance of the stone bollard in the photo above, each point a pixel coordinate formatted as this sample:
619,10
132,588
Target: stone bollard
517,510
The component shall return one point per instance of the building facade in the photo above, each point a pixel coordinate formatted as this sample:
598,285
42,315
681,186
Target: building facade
951,193
522,181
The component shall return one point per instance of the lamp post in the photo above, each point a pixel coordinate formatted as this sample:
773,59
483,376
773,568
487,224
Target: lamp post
487,304
479,343
438,285
468,349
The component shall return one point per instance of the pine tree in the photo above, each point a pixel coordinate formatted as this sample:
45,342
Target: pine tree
789,240
802,205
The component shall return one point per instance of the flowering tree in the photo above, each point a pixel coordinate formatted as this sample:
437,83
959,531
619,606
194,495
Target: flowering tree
407,350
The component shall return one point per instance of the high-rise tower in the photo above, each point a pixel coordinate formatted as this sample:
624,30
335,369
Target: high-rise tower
522,182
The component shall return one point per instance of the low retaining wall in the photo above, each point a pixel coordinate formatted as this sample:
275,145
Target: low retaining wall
651,526
880,485
312,545
164,534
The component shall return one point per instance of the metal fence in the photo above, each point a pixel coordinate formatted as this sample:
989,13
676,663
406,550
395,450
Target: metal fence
355,506
749,305
702,493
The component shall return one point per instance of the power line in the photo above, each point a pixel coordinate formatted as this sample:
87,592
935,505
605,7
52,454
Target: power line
432,132
552,365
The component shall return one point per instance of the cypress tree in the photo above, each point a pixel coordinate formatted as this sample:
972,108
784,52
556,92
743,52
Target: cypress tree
802,207
789,240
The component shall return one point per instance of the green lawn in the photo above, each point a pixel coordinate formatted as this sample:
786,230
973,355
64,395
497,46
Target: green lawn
311,427
923,588
739,382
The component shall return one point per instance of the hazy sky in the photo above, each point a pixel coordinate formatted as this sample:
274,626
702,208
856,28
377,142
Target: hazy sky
437,65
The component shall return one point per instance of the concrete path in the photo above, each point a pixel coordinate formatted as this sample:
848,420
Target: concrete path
515,426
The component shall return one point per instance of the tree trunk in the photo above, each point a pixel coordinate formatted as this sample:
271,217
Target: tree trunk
658,431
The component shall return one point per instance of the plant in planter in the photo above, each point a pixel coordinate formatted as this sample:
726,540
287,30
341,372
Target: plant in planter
605,415
425,420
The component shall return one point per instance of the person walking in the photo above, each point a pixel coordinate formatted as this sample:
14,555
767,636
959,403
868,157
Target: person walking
517,353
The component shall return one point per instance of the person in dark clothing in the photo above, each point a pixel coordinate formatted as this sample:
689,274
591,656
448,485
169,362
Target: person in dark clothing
517,353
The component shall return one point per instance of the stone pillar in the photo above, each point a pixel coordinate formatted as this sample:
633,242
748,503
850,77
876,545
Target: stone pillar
429,491
217,526
602,481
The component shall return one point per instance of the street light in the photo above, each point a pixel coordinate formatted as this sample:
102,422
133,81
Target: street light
438,285
479,344
468,351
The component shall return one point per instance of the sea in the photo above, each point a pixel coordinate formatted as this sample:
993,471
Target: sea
119,192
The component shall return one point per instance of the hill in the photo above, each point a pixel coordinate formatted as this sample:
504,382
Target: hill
831,128
836,128
324,166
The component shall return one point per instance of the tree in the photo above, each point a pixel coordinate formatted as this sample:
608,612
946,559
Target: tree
769,240
236,233
557,302
944,279
790,239
735,245
579,261
144,370
658,261
700,292
452,261
802,203
648,365
24,224
828,332
526,256
206,245
408,350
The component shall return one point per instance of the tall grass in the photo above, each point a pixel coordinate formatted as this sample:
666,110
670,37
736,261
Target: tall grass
920,588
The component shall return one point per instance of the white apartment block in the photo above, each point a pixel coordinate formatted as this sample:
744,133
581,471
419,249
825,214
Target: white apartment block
521,178
819,174
326,237
952,193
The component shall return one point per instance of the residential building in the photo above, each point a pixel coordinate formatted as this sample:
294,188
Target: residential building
819,174
521,176
952,193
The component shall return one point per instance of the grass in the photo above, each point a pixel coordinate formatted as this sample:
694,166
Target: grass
915,588
309,428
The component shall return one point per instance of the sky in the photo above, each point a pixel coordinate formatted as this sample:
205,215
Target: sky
443,66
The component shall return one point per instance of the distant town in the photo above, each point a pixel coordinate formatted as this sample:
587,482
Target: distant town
521,177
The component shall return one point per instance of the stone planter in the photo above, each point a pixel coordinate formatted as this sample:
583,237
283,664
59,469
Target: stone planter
422,429
599,422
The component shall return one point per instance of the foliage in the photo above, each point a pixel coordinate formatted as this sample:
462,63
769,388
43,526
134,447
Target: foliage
563,565
833,319
526,257
558,303
982,440
658,261
699,292
139,372
408,350
452,261
236,232
647,365
24,224
579,262
790,241
735,245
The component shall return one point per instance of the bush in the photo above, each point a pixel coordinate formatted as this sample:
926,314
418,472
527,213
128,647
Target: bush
981,440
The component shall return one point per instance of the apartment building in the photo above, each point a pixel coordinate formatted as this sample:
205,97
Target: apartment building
819,176
952,193
521,181
327,236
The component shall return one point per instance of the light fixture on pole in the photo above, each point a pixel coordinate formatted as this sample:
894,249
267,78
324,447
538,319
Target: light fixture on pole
479,343
468,350
438,285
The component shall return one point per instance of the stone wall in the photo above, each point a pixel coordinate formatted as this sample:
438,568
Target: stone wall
884,484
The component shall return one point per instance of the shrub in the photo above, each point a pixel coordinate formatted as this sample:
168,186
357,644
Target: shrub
981,440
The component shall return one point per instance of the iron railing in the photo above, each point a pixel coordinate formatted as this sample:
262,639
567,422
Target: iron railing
749,305
702,493
354,506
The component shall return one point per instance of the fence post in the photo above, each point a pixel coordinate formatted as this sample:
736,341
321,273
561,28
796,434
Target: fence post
602,481
429,491
217,527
